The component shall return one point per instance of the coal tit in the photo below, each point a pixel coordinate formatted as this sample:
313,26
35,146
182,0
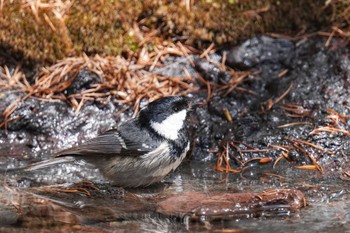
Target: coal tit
142,150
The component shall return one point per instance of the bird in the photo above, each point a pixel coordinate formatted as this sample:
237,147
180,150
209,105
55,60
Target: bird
142,150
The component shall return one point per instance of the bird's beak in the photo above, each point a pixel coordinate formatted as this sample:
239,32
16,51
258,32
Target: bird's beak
190,102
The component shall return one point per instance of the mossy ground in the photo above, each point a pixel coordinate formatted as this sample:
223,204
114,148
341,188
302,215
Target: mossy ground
50,30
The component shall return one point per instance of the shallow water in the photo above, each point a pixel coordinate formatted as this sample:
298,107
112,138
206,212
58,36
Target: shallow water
328,208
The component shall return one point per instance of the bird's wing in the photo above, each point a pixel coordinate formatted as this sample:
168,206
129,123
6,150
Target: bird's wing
111,142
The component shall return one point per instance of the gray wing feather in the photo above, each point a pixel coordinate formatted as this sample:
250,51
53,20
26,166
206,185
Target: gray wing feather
48,163
111,142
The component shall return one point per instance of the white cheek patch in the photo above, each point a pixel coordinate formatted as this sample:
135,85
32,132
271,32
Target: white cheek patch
170,127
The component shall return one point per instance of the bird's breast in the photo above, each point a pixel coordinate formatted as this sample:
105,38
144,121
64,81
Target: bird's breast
162,161
146,169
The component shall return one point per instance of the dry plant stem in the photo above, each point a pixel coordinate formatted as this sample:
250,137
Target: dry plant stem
207,84
294,124
255,151
330,130
284,94
313,160
346,176
232,144
260,160
274,175
283,73
286,156
296,111
207,51
329,40
336,117
224,157
306,143
284,148
307,167
227,114
277,161
297,144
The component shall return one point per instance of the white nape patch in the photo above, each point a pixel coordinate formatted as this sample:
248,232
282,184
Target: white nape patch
170,127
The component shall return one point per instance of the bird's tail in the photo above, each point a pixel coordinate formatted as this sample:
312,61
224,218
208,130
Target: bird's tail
48,163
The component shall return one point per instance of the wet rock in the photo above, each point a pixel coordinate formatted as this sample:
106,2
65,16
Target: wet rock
42,124
83,81
220,205
86,203
100,203
316,81
38,117
261,49
176,66
207,68
23,209
247,126
8,214
211,72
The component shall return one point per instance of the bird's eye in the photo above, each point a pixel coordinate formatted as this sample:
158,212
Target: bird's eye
177,107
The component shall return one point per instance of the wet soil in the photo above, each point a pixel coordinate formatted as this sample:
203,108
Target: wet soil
297,92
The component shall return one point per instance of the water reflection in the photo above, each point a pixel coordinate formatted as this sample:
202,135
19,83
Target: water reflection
98,205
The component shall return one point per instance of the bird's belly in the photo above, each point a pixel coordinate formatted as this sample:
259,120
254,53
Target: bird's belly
144,170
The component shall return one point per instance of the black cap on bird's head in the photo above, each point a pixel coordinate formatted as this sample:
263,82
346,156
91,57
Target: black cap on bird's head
160,109
166,115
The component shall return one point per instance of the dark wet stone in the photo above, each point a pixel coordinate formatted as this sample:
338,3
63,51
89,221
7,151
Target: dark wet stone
247,126
38,117
100,202
44,124
8,215
261,49
83,81
175,67
14,150
23,209
210,72
318,77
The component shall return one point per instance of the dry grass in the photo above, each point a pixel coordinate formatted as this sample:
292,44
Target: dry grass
124,81
231,153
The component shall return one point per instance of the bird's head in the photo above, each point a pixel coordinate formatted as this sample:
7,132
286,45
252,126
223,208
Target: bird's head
166,116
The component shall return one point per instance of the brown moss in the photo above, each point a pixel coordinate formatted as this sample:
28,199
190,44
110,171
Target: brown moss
108,26
103,26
